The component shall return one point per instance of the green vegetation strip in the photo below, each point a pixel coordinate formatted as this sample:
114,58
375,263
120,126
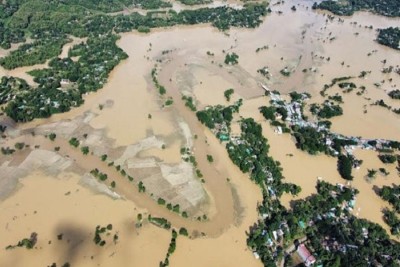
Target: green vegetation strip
49,24
390,8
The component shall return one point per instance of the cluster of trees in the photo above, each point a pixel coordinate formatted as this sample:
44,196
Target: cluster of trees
390,37
160,222
219,114
333,82
189,102
390,8
161,89
250,151
393,220
336,98
27,243
8,35
250,154
228,93
171,207
269,114
10,87
327,110
141,187
74,142
97,57
355,248
262,48
102,230
99,175
347,86
49,22
52,136
231,59
85,150
285,72
215,115
7,151
395,94
296,97
310,139
220,17
264,72
339,143
345,166
41,103
34,53
183,231
381,103
388,158
391,194
335,236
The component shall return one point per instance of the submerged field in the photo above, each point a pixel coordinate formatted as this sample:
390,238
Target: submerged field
156,154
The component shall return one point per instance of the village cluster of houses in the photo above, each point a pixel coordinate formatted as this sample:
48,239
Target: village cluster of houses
295,117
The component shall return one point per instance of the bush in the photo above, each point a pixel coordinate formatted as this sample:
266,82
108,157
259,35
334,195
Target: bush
161,201
386,158
143,29
19,146
183,231
74,142
85,150
228,93
345,167
231,59
52,136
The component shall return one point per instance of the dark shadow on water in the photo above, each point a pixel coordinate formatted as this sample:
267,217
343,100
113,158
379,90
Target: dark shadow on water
74,239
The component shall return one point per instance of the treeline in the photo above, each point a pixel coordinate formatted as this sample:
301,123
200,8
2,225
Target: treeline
390,8
195,2
390,37
391,194
220,17
151,4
